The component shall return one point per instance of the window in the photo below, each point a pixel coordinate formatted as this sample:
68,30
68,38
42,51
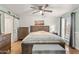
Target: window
63,27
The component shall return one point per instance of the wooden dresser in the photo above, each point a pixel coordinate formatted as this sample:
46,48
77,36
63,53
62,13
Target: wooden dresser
22,32
5,42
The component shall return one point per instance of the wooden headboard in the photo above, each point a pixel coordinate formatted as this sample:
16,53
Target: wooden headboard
39,28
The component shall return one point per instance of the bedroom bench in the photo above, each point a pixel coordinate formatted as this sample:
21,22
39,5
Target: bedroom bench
47,49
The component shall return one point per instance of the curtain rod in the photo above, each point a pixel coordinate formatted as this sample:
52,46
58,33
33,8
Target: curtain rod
9,14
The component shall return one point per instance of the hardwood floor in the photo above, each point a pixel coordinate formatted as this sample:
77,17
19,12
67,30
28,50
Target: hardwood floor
16,49
70,50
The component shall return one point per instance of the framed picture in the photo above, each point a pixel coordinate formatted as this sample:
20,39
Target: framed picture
39,22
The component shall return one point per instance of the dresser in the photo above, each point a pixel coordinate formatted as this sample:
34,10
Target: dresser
5,42
22,32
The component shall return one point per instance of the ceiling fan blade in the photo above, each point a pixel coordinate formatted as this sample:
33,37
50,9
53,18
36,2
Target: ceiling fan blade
48,10
33,7
35,12
40,7
46,5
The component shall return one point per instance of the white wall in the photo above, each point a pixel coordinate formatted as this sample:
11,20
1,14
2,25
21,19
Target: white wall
27,20
77,28
77,40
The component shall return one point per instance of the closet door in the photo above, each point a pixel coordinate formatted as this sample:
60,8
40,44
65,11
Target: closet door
15,27
9,25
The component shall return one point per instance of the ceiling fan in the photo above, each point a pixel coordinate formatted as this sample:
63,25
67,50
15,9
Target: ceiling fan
41,8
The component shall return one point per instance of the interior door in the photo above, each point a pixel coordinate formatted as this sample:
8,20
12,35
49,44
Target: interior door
9,25
15,27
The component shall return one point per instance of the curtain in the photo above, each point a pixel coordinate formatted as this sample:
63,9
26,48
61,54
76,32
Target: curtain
60,25
0,23
72,31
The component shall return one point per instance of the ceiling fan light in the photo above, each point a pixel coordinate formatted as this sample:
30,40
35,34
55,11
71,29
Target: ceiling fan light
40,12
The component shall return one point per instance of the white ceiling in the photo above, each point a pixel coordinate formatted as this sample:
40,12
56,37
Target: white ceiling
58,9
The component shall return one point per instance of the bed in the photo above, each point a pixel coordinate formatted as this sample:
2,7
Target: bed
40,37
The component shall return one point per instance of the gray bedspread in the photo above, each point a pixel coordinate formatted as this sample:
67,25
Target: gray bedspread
47,49
42,37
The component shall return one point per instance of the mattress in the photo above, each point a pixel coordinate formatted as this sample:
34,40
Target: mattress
47,49
42,37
